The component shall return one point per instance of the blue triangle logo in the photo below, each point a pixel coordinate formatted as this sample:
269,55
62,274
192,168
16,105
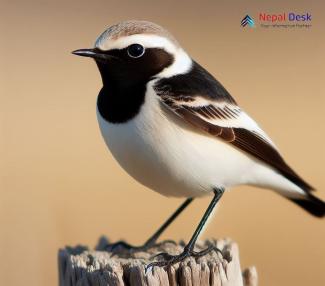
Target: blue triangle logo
247,21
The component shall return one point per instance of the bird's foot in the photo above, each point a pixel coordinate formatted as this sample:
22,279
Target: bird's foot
169,260
124,246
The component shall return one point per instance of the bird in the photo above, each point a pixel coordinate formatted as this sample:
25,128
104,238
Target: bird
174,128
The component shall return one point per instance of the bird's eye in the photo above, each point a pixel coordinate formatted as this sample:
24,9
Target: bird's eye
135,51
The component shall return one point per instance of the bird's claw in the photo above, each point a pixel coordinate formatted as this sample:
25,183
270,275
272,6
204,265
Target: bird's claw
169,260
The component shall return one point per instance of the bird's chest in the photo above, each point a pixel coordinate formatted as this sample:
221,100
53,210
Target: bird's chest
129,127
149,147
136,143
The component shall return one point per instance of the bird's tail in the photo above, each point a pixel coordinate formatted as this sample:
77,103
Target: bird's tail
311,204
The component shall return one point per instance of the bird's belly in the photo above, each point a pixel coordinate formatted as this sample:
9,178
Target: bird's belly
156,150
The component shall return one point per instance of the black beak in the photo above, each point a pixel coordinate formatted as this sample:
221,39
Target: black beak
85,53
92,53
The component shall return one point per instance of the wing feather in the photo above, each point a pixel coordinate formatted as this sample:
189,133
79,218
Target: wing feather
215,112
246,140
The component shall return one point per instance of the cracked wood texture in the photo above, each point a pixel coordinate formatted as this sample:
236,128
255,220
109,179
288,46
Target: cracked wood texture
80,266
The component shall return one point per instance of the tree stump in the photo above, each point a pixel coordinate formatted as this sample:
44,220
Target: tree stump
80,266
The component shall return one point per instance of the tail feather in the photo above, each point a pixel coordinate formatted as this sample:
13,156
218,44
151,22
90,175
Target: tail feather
311,204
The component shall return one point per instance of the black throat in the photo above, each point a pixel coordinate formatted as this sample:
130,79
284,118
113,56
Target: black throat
125,80
119,105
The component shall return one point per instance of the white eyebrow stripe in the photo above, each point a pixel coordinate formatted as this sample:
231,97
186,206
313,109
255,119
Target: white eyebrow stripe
146,40
182,62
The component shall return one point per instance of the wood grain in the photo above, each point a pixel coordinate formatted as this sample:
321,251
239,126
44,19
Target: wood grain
79,266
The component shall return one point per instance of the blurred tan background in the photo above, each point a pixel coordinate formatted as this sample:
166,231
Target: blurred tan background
60,186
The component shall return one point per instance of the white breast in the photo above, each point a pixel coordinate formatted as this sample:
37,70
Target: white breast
166,155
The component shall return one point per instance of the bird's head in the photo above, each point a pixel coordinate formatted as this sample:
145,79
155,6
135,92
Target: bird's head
134,52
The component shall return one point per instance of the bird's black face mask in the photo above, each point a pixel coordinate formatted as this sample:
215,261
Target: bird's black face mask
125,74
128,67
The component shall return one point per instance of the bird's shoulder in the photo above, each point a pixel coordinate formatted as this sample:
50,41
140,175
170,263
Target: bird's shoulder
197,82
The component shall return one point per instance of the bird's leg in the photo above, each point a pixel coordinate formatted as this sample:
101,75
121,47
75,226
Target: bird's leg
152,240
189,248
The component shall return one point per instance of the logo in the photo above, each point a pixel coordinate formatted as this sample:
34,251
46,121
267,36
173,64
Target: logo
281,20
248,20
283,17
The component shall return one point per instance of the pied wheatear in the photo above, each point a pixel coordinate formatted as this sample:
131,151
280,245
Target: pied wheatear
174,128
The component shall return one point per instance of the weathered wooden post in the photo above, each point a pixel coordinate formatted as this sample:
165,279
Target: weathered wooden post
80,266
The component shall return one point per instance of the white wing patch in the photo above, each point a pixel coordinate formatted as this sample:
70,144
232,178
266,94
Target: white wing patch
222,114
